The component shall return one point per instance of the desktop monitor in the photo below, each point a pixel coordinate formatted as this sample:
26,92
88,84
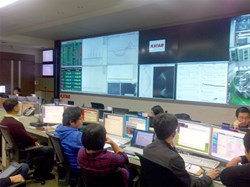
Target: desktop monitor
2,89
114,124
52,114
135,122
193,137
226,144
123,111
90,115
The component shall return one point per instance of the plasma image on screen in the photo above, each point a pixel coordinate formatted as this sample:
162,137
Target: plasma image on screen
163,84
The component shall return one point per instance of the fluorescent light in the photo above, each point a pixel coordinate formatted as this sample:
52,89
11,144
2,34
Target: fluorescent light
4,3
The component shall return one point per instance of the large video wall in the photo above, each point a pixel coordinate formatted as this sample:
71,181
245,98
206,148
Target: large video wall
202,62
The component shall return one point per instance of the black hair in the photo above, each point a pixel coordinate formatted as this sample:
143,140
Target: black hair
246,141
157,109
71,114
9,104
94,137
242,110
164,125
17,88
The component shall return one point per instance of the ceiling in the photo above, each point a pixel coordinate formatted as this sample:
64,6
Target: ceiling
37,23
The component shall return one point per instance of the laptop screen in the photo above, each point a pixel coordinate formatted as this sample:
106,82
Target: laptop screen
142,138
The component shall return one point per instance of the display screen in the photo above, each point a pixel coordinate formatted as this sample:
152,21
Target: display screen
194,137
2,88
52,114
47,70
103,65
227,144
90,115
202,81
239,64
135,122
47,55
114,124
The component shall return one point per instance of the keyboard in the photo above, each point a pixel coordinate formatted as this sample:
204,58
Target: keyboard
119,140
199,161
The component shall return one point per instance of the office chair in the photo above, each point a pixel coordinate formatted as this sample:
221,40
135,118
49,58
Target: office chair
97,105
154,174
113,179
65,176
13,153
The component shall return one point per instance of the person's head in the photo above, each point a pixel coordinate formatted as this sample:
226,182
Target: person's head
72,117
183,116
243,115
246,141
11,106
16,91
156,110
94,137
165,125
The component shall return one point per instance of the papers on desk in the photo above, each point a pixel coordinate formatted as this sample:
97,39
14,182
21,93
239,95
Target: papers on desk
193,169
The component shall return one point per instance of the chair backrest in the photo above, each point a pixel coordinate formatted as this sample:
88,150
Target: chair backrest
62,162
154,174
10,143
97,105
114,179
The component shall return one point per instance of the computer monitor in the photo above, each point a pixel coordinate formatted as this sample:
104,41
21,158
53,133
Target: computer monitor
52,114
90,115
2,89
135,122
123,111
114,124
142,138
226,144
193,137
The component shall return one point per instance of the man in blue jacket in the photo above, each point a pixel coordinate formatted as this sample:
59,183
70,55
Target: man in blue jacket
70,136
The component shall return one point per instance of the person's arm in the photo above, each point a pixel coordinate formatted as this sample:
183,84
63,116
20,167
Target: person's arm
114,146
11,180
26,138
234,162
235,175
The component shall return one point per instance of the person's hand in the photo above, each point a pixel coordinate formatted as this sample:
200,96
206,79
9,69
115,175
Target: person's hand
234,162
236,124
37,144
17,178
108,140
213,173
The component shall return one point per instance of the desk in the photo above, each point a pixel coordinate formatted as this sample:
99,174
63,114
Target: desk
135,161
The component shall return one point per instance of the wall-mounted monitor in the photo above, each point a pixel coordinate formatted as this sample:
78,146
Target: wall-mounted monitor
47,70
2,88
47,55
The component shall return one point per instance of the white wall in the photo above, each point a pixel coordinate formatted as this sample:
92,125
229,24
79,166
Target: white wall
213,114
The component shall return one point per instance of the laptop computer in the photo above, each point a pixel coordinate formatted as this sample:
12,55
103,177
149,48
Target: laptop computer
13,169
139,140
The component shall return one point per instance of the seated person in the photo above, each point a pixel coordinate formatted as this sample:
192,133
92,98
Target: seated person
183,116
163,152
18,178
17,91
242,118
95,160
157,109
238,175
42,158
70,136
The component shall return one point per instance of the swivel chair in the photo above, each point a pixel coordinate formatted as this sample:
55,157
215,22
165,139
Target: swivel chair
13,153
65,176
113,179
154,174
